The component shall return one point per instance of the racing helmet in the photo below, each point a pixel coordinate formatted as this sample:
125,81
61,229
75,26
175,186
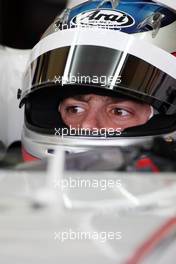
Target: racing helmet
130,44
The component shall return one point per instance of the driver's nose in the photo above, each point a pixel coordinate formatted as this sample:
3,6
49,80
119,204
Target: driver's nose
91,121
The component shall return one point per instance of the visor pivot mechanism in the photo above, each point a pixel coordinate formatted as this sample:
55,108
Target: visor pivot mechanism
62,19
19,92
114,3
152,22
169,139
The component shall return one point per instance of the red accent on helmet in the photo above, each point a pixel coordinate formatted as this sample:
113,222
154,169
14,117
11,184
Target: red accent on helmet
28,157
174,53
146,164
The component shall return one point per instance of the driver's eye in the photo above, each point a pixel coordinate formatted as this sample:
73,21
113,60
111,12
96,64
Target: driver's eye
74,109
120,112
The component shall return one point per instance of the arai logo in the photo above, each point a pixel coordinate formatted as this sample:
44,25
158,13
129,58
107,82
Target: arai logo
103,17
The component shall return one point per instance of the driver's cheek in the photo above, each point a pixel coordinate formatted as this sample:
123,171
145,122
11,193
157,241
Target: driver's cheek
123,122
132,122
75,120
98,121
88,120
102,120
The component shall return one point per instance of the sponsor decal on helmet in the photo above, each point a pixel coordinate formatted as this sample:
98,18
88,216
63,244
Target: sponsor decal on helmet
104,17
126,16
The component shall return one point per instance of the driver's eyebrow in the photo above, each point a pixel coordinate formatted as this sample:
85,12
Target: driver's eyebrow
87,97
80,98
106,99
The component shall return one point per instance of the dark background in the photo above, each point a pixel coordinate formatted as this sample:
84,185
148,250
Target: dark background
22,22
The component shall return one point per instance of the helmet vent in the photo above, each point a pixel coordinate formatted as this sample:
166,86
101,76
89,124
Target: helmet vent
153,23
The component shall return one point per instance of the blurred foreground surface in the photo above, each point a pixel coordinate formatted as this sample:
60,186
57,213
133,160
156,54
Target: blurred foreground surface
58,216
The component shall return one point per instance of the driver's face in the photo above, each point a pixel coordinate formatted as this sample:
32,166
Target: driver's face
94,111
